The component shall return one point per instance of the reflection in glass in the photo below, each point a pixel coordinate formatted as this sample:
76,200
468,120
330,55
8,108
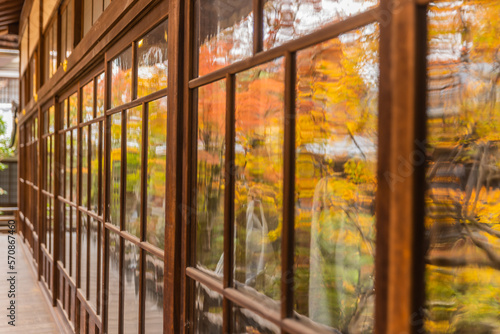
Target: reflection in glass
88,101
74,237
156,174
154,294
74,166
113,281
85,167
69,156
94,166
51,119
121,78
463,174
152,61
115,169
68,238
210,176
84,230
225,33
94,247
100,95
246,321
133,182
287,20
208,310
259,177
131,288
64,111
73,110
335,185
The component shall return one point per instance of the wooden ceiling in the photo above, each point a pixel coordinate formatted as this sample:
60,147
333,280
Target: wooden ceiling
10,12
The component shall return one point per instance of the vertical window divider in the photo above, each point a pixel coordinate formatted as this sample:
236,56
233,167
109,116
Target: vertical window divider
258,26
105,200
77,202
229,172
57,221
142,215
89,218
288,233
122,214
100,229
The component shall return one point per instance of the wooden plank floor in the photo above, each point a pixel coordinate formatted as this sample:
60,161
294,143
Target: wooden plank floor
33,313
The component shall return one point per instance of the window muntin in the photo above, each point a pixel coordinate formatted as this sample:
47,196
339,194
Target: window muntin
225,33
211,151
156,172
152,61
462,151
121,78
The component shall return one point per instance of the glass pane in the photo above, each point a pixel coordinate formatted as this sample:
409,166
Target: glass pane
73,240
88,101
287,20
121,78
87,16
68,238
51,119
208,310
70,29
335,185
113,282
97,10
94,247
210,176
73,110
131,288
64,109
100,95
85,167
154,294
156,174
64,33
463,157
152,61
246,321
259,177
133,182
53,48
34,25
69,156
224,33
115,168
84,229
74,166
94,167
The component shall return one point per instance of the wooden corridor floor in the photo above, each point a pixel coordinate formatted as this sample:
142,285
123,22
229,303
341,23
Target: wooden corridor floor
33,313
